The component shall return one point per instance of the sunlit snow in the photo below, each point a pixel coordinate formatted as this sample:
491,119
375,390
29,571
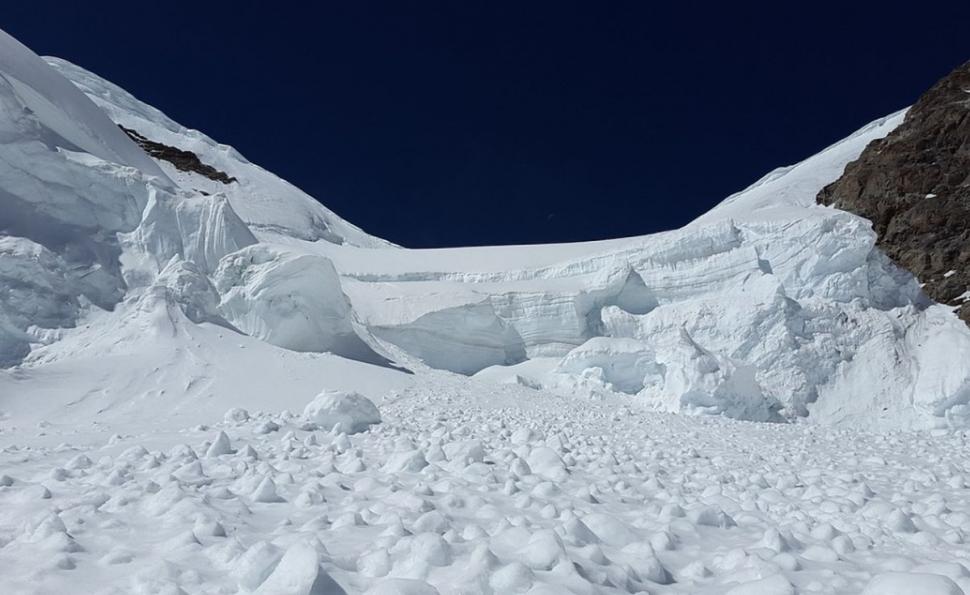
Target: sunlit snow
227,388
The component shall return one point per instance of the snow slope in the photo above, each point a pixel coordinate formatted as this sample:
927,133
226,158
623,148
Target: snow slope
268,204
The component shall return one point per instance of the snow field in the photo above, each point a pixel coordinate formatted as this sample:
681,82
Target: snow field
469,488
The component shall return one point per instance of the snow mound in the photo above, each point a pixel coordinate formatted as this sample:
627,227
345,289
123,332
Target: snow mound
299,573
906,583
350,411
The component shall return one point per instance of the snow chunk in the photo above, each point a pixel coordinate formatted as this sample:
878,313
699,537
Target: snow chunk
353,411
266,491
220,446
236,415
291,300
410,461
610,530
543,551
299,573
545,461
906,583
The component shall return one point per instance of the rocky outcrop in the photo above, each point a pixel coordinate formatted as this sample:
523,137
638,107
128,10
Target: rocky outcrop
914,185
181,159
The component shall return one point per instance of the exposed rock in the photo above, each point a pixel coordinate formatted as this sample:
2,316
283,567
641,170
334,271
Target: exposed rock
181,159
914,185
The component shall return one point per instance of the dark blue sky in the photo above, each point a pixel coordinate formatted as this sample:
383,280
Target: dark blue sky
465,123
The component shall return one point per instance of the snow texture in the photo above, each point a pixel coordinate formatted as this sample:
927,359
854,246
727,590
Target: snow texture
518,491
346,412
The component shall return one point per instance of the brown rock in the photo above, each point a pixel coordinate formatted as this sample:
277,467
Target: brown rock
914,185
180,158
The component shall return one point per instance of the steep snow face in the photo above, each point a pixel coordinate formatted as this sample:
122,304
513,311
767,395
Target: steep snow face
197,228
787,190
70,181
463,339
37,292
270,206
71,120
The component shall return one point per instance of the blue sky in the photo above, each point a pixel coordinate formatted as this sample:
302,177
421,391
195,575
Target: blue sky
462,123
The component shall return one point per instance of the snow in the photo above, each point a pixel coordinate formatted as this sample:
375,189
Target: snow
732,315
147,362
402,586
578,418
660,503
64,111
293,301
299,573
793,188
902,583
269,205
346,412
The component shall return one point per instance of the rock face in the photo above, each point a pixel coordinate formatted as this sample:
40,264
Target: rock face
181,159
914,185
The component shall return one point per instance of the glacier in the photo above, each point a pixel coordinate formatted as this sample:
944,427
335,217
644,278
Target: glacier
766,308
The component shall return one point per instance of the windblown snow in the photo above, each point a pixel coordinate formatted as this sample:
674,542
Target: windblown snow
474,420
